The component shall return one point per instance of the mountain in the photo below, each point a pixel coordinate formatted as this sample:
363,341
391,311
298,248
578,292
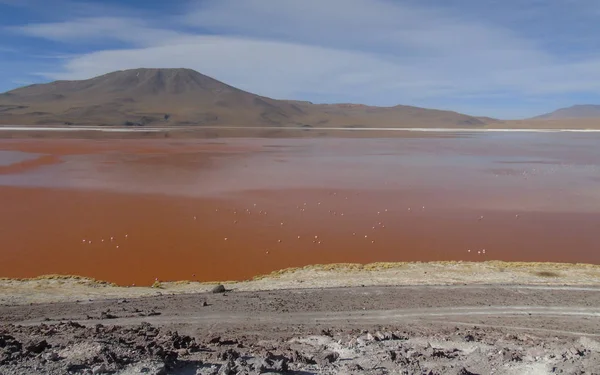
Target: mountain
176,97
588,111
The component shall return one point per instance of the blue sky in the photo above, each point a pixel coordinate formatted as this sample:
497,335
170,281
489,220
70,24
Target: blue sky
499,58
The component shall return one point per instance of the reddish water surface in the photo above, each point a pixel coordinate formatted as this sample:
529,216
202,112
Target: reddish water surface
134,211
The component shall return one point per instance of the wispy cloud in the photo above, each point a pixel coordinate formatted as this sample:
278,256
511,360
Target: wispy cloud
13,2
22,83
8,49
374,51
100,29
55,56
64,9
356,24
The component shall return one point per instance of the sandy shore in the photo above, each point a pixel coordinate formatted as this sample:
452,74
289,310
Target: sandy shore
47,289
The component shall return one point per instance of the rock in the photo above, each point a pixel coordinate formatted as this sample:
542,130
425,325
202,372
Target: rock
51,356
241,363
71,324
147,368
183,342
429,350
10,344
576,351
217,340
4,339
228,342
327,357
399,336
37,347
168,357
326,332
355,367
464,371
277,363
256,364
107,315
298,357
229,355
524,338
369,337
100,369
212,370
227,369
469,338
439,353
76,367
511,356
214,340
219,289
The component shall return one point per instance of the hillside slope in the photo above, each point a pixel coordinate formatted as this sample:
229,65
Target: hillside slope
165,97
587,111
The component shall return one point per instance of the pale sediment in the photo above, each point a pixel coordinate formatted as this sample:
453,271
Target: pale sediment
58,288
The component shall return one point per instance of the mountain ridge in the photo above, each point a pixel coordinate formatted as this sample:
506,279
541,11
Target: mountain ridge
180,96
578,111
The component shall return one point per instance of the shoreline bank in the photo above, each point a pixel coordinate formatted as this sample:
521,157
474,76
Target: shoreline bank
63,288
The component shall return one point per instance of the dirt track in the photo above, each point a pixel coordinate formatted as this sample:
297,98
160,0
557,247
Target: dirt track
429,329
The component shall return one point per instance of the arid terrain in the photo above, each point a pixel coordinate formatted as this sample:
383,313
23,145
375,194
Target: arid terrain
185,98
176,97
372,329
299,187
574,112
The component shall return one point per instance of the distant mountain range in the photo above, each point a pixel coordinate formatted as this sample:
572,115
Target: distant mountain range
588,111
184,97
164,97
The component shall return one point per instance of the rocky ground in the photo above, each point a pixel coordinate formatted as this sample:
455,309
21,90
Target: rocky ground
146,349
358,330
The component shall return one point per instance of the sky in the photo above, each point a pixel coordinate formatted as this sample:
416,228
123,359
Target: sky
500,58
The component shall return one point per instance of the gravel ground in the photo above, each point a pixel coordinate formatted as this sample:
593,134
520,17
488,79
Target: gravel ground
355,330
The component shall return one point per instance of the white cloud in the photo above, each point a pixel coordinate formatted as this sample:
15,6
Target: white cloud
393,27
94,29
286,70
22,82
374,51
7,49
269,68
